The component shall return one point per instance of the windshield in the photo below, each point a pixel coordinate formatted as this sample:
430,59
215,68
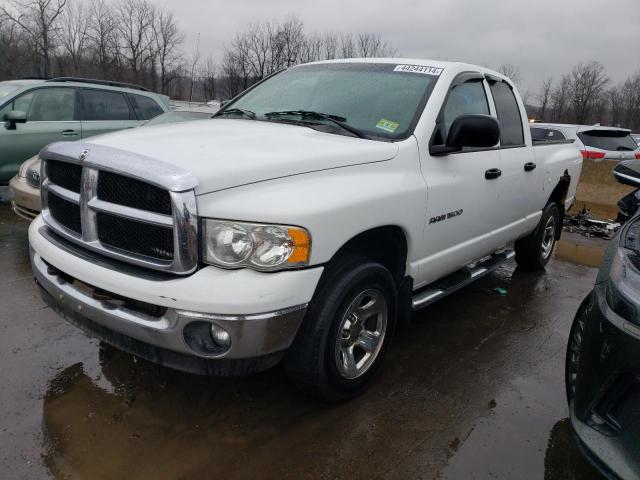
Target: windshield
6,89
177,117
613,140
377,100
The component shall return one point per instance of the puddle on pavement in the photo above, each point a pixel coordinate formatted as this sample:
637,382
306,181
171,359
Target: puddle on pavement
576,249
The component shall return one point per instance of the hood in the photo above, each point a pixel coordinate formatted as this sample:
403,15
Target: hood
226,153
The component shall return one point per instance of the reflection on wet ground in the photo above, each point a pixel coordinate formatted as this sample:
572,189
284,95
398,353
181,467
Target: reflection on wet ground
581,250
473,388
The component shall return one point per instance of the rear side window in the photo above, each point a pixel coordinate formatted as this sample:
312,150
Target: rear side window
465,99
105,105
511,131
613,140
548,134
145,107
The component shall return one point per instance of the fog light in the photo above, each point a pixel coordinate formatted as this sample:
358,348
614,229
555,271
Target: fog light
206,338
220,336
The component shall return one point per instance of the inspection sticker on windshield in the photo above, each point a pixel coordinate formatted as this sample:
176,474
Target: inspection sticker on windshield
419,69
387,125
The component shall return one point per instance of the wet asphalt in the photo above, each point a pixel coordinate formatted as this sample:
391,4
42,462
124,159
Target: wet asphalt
472,389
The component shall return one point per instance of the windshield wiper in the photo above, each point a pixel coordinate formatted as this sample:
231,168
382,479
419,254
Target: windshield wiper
240,111
335,119
622,148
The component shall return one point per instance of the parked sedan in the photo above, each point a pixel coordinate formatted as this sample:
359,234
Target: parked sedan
39,112
603,356
25,186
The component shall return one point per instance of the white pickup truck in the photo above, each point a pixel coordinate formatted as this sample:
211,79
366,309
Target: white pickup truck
303,222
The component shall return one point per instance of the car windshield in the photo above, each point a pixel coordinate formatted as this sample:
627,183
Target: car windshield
7,89
177,117
370,100
613,140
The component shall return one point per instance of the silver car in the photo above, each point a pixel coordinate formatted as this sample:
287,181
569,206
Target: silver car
595,142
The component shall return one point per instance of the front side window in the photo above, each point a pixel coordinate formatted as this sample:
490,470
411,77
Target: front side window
104,105
380,100
468,98
47,105
511,130
145,107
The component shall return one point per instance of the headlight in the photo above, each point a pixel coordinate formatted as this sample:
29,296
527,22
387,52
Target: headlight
231,244
623,287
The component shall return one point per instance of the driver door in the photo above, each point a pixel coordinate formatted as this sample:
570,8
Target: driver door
461,193
51,117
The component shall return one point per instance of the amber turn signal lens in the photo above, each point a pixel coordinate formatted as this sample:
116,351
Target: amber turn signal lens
301,246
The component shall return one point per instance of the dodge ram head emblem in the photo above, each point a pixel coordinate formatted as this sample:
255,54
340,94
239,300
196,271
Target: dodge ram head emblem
83,155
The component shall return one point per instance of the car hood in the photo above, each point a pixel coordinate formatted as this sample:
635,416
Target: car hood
226,153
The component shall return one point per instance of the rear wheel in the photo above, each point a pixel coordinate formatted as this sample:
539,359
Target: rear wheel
534,251
345,334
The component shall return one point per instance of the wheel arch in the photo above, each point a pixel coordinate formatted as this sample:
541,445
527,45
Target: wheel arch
559,196
387,244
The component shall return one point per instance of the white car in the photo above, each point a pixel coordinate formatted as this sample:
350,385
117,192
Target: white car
595,142
302,222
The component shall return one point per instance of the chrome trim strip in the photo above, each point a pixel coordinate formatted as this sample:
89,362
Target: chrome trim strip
130,213
89,189
61,192
134,165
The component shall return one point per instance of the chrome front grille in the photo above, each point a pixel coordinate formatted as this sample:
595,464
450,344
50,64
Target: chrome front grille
123,205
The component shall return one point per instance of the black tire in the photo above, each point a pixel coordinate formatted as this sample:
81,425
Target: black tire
574,349
531,251
312,361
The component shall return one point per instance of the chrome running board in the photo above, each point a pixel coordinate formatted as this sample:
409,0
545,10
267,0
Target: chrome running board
463,277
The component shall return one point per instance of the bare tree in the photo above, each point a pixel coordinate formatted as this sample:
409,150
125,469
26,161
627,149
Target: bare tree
587,88
135,20
560,100
73,33
510,71
167,40
38,20
102,37
544,98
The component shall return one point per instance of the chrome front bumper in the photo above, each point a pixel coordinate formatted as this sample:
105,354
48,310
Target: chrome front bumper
252,336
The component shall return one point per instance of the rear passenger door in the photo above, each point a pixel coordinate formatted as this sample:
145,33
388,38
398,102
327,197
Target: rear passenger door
519,183
105,111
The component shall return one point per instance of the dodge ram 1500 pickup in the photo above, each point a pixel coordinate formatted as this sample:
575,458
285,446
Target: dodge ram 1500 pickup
303,222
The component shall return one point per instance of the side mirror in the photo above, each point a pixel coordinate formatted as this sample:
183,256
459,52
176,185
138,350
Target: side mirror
13,117
628,173
473,131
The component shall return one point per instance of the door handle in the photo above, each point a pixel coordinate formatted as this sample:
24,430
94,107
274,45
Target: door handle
492,173
69,133
529,166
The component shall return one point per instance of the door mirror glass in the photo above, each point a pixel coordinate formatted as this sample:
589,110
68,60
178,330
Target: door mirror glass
470,131
628,173
13,117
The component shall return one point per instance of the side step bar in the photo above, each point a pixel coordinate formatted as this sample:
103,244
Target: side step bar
463,277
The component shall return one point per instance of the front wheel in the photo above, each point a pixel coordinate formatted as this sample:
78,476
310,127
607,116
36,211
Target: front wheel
345,334
534,251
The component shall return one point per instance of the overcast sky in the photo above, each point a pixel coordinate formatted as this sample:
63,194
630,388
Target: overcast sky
543,37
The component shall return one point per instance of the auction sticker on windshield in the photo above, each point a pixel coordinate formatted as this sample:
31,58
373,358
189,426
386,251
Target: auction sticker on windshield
387,125
419,69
